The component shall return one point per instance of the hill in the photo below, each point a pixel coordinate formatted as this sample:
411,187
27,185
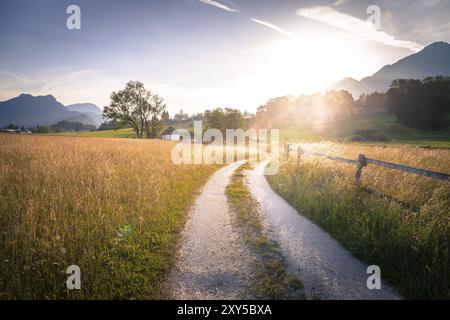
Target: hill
28,110
72,126
85,108
433,60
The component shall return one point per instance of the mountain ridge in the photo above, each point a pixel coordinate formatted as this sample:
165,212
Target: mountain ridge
433,60
29,111
84,108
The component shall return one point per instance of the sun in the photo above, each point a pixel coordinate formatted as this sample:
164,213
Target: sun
306,65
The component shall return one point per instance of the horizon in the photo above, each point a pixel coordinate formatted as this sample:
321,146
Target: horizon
234,54
239,153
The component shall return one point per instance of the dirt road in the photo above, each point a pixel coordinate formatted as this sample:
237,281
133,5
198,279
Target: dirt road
213,262
328,270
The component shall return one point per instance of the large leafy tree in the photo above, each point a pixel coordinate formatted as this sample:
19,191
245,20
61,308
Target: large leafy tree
421,104
223,119
215,119
138,108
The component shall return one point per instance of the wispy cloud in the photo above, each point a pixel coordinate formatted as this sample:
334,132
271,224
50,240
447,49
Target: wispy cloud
273,27
339,2
356,26
226,7
219,5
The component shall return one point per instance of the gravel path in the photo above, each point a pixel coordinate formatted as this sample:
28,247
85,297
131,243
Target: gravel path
328,270
213,262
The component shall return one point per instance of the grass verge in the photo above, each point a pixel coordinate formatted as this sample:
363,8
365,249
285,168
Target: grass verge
272,277
411,248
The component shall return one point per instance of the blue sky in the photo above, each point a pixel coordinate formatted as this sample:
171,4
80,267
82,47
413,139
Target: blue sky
202,53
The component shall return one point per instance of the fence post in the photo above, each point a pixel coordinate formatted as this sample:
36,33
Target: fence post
288,146
299,156
361,164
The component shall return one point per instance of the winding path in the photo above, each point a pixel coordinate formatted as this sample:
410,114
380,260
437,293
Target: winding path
328,270
213,262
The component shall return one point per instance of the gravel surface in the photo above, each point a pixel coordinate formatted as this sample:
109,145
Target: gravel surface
327,270
213,262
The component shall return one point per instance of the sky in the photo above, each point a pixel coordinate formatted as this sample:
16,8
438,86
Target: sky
203,54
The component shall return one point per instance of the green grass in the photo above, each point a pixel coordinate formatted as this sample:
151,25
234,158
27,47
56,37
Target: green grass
121,133
385,124
411,248
272,279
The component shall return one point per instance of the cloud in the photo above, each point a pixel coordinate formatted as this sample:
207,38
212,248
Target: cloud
219,5
261,22
339,2
273,27
430,3
356,26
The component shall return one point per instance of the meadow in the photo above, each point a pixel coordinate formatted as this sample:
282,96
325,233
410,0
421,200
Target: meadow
344,130
120,133
114,207
396,220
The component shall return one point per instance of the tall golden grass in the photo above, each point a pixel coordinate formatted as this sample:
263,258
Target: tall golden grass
114,207
412,248
413,189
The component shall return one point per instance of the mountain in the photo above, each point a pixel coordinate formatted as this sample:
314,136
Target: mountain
433,60
28,110
97,118
85,108
89,109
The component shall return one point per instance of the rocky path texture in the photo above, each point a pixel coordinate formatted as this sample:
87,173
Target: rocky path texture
213,260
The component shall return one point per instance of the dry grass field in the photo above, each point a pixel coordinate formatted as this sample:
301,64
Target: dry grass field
410,245
114,207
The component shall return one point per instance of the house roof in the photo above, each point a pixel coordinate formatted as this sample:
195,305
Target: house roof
168,131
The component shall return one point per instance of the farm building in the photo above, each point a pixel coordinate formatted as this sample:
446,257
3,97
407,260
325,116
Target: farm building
170,134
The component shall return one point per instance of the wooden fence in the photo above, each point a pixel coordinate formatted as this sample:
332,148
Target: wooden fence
363,161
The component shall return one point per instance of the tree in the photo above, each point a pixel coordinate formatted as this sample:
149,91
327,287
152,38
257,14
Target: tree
215,119
224,119
43,129
165,116
155,124
110,125
197,116
372,103
421,104
138,108
234,119
181,116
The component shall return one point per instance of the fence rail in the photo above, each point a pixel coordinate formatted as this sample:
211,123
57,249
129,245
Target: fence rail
362,162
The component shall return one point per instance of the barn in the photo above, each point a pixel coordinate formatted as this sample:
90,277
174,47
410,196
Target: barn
170,134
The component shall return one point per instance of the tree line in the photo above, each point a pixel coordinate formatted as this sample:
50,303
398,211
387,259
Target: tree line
146,113
421,104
